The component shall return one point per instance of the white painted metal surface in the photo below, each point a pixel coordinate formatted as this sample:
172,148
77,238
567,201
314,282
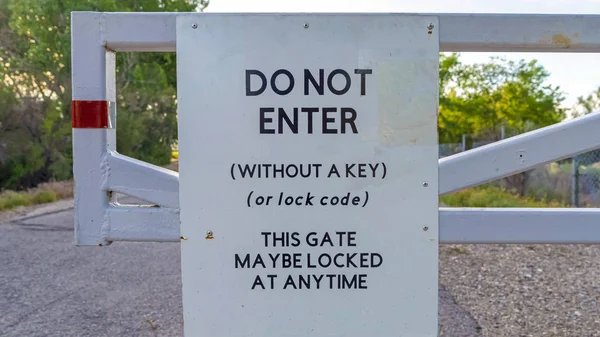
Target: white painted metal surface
520,225
93,78
378,276
520,33
139,179
141,223
458,32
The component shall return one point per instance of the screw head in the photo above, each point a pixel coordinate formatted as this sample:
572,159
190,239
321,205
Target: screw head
430,26
425,184
194,26
305,25
209,233
425,229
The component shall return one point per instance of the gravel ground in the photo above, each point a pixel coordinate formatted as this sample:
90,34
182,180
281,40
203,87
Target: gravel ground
454,321
49,287
526,290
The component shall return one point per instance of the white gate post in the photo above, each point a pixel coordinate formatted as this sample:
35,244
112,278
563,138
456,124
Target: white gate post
93,76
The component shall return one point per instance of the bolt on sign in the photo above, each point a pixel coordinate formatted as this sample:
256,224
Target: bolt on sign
308,174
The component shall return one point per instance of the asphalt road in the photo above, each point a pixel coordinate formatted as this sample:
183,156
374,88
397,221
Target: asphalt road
49,287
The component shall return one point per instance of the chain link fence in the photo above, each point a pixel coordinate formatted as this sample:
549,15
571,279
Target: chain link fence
586,179
573,181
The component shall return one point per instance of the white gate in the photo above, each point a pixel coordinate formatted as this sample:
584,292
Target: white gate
100,172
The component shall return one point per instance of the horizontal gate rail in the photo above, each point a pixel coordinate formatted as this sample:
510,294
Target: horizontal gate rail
458,32
100,171
520,225
141,223
457,225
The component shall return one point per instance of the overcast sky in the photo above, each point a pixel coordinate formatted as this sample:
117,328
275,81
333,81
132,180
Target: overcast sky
576,74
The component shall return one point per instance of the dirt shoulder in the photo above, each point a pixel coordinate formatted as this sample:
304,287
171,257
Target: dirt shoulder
26,212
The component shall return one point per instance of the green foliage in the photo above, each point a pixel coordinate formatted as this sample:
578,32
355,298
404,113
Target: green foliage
549,194
587,105
477,99
11,199
492,196
147,117
35,89
44,196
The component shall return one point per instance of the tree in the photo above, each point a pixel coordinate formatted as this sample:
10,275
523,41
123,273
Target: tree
477,99
587,105
36,68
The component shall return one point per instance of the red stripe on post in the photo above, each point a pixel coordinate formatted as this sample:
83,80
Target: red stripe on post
90,114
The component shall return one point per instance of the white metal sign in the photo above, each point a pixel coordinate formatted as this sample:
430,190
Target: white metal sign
308,174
